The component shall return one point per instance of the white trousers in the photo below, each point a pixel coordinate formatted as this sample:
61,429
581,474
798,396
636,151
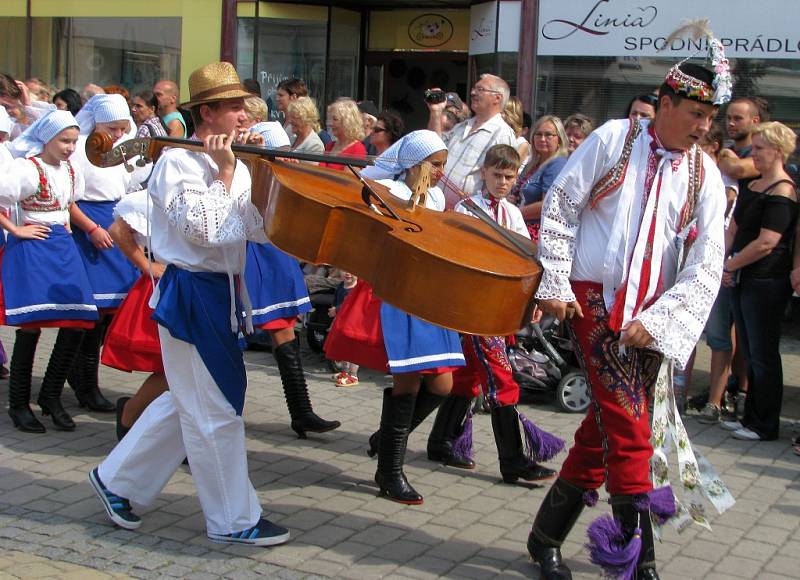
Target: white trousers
195,420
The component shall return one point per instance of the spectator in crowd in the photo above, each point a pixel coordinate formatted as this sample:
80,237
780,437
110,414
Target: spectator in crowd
549,157
118,90
252,86
512,114
344,120
577,128
303,119
719,327
741,116
758,271
16,98
166,92
272,134
68,100
288,90
144,107
468,142
642,107
91,90
369,115
388,128
40,90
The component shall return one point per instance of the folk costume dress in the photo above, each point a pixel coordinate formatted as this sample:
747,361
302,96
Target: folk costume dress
44,283
131,342
199,229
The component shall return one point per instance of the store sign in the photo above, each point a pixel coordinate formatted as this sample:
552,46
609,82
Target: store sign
430,30
487,34
763,29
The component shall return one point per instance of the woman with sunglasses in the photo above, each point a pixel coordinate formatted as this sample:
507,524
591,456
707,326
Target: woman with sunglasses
388,129
547,159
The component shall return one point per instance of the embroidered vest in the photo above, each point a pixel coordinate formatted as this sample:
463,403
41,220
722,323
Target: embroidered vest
616,176
43,200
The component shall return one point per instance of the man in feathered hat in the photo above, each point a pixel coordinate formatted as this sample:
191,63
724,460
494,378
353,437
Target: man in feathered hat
613,224
201,220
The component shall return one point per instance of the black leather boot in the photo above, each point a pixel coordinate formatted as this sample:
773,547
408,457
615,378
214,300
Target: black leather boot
296,391
19,384
83,377
514,464
426,404
626,512
393,439
558,513
62,358
449,424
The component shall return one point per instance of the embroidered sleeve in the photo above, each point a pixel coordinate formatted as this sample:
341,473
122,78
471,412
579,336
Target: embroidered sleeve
677,318
21,181
563,204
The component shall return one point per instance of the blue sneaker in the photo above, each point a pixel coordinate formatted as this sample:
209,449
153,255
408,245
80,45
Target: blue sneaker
264,533
118,508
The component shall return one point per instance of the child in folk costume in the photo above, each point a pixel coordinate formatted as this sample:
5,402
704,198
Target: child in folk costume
110,272
278,294
131,343
44,283
371,333
201,219
488,367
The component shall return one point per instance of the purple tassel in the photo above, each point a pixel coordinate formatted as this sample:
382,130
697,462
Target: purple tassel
609,550
590,498
462,446
539,444
662,504
641,502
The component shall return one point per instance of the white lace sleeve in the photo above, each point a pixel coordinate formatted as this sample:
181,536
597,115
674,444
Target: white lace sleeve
677,318
560,220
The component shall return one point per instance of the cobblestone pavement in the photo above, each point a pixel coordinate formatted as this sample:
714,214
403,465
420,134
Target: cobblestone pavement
471,525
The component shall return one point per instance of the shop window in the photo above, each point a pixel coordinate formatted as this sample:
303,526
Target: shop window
12,57
133,52
343,59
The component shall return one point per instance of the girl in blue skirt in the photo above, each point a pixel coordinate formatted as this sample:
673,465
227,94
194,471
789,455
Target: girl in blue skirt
369,332
44,283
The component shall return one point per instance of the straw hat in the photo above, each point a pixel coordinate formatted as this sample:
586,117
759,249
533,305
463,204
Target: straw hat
217,81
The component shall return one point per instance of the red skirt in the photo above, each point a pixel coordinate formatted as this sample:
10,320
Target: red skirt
132,342
279,323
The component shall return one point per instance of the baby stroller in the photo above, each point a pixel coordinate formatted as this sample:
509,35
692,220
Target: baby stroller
543,361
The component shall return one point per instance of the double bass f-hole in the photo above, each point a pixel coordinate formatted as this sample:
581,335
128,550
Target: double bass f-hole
374,201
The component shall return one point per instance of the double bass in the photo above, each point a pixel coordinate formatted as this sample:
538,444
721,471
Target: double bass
450,269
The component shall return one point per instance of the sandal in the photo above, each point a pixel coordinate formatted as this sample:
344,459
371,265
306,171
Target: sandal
338,376
347,381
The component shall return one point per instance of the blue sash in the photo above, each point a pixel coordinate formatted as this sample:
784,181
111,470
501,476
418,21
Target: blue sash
195,307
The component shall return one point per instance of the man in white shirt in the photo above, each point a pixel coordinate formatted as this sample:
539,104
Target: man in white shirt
201,220
468,142
613,223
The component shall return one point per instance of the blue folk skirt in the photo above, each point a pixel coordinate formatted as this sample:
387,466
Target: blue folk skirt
275,284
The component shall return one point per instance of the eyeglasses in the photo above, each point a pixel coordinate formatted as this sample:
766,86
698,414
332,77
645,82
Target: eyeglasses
379,130
479,89
545,135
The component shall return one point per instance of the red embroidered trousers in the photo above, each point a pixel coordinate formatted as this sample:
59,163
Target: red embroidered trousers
612,444
488,369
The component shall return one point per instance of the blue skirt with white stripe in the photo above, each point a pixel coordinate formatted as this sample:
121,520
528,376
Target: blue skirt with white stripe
44,280
275,284
110,273
413,345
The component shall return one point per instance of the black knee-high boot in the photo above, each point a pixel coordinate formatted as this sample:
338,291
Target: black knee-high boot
447,427
295,390
631,517
558,513
426,404
393,439
62,358
19,385
83,377
508,438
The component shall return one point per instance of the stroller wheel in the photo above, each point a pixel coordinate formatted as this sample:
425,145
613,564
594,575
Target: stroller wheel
573,393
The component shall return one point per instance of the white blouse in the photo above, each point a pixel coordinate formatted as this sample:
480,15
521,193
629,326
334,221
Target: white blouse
21,182
434,200
580,242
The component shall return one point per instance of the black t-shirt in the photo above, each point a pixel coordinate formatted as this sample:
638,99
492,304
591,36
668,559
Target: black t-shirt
772,212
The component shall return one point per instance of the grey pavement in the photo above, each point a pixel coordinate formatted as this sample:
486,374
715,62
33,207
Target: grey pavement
470,526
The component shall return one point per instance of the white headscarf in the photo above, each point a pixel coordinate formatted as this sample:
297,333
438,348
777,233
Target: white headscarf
41,132
273,133
5,121
405,153
104,109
